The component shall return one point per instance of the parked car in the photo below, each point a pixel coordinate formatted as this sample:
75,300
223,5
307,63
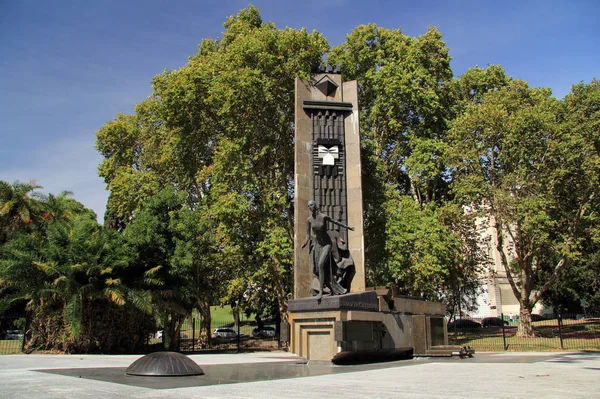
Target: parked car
159,334
493,322
463,323
226,333
537,317
264,331
13,335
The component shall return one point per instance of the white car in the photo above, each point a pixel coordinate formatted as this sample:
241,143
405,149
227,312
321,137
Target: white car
159,334
225,332
264,331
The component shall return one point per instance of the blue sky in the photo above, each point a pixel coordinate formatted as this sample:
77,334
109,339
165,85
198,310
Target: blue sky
67,67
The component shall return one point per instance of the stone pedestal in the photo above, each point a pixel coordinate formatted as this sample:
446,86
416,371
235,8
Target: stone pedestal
321,330
355,326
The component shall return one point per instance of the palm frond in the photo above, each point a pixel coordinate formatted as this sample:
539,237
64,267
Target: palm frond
113,281
115,295
74,316
153,271
141,299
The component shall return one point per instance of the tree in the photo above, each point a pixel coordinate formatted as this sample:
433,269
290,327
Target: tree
408,99
431,253
194,258
404,96
471,86
220,130
576,288
19,206
151,243
69,273
405,101
581,124
532,178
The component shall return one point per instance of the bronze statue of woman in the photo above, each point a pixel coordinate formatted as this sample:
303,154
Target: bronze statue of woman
316,231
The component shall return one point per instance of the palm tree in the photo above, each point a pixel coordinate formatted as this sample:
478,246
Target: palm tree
19,206
64,207
69,274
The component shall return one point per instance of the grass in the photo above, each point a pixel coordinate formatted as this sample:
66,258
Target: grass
221,316
577,335
10,346
541,344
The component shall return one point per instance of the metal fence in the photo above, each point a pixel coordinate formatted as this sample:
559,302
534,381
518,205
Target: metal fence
11,333
226,336
560,332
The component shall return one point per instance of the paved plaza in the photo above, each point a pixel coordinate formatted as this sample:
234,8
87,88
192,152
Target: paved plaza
278,375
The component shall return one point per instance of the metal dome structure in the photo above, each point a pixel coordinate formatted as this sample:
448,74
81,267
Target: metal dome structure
164,364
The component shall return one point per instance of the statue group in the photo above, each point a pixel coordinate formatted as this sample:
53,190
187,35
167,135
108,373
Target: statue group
332,264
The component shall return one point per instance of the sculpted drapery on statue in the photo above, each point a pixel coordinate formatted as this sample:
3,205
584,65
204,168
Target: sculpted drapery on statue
330,259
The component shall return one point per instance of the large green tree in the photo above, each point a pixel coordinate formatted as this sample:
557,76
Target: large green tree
151,241
432,252
581,123
220,130
407,100
68,272
532,175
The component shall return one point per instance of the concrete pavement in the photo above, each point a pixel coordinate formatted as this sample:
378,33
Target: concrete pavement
278,375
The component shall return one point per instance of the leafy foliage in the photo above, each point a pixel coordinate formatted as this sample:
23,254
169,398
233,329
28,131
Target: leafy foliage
427,257
219,131
19,207
532,173
67,271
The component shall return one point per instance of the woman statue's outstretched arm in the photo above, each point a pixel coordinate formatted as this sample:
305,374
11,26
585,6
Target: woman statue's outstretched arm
339,224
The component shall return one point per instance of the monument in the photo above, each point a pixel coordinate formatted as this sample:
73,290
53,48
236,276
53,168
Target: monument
333,315
327,171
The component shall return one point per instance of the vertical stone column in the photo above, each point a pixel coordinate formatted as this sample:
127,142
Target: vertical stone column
325,90
303,183
354,184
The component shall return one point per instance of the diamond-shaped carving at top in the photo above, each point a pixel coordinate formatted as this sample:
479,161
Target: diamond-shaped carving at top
327,86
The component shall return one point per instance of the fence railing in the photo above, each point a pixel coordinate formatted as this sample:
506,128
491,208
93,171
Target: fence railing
560,332
226,336
563,332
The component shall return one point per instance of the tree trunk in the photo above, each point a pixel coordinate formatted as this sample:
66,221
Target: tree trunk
236,317
205,321
171,331
525,328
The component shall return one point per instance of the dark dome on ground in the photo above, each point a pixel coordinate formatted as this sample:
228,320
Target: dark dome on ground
164,364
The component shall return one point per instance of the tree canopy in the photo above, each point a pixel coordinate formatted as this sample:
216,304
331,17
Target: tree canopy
219,131
532,173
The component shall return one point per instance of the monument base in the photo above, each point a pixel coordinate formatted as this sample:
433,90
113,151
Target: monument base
366,301
367,325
